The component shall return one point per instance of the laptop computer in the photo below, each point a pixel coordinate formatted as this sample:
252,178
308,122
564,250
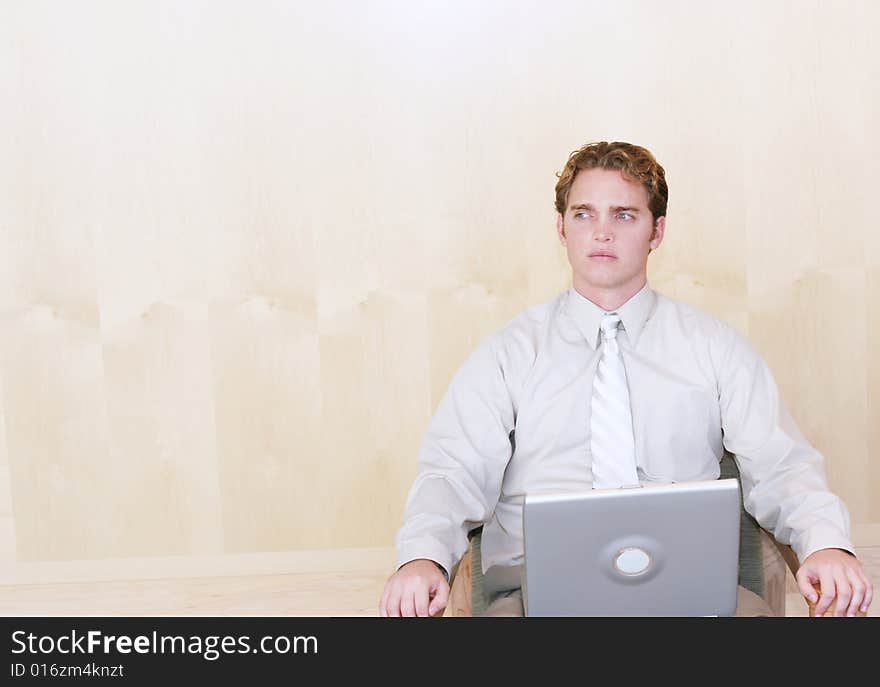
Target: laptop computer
656,550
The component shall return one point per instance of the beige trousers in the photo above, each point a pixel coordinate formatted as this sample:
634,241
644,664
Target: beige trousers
510,604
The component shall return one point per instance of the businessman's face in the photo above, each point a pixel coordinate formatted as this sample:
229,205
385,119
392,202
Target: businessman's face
608,231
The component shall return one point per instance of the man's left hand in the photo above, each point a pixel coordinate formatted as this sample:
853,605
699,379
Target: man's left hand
840,577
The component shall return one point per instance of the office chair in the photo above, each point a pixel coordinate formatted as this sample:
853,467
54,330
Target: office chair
762,564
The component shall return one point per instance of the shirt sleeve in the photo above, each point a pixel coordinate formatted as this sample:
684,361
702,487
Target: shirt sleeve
461,462
783,477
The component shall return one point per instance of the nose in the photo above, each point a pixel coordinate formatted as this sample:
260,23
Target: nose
603,232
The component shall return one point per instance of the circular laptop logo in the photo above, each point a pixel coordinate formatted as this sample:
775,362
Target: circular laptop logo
632,561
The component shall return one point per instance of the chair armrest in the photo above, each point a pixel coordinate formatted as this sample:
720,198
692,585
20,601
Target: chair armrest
777,560
460,602
789,556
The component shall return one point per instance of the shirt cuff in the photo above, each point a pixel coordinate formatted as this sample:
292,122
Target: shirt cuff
821,537
430,550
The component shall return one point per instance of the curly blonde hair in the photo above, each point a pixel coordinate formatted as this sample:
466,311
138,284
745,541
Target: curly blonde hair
634,162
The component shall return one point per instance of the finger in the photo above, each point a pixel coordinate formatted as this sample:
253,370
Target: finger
805,581
383,613
407,605
421,602
869,595
441,598
392,606
828,592
844,593
858,591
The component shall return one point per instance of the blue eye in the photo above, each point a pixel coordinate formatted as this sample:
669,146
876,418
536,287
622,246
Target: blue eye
625,216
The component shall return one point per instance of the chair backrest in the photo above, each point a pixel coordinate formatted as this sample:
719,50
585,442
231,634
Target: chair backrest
751,559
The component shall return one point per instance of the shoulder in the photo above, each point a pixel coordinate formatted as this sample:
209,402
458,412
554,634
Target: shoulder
528,328
534,318
704,331
518,341
691,320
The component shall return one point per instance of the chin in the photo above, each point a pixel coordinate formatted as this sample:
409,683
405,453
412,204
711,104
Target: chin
603,281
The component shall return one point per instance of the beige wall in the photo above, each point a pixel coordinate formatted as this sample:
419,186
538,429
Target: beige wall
243,246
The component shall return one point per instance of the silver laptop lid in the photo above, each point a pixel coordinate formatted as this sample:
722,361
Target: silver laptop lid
667,550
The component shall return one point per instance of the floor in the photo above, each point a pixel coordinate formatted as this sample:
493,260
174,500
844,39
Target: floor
339,593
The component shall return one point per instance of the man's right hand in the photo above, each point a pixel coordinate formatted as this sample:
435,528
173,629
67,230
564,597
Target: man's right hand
418,588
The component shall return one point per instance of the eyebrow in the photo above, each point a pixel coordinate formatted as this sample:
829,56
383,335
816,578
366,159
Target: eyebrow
614,208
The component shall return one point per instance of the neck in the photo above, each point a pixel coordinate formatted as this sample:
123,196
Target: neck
612,298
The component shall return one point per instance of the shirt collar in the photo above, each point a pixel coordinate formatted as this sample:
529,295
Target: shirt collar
633,314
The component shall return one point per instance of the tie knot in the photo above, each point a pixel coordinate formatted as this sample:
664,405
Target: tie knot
609,325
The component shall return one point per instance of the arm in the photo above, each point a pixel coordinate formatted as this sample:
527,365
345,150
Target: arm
783,481
459,472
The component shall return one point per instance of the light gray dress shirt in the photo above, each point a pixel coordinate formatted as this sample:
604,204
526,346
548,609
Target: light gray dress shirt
516,419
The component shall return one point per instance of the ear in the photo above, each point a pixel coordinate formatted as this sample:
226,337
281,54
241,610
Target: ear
659,231
560,228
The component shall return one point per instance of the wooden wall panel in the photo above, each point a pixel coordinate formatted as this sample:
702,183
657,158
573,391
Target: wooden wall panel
267,401
7,519
702,259
872,372
160,410
244,249
66,490
374,385
805,336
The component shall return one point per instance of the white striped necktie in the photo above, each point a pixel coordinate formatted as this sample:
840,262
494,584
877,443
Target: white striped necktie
611,432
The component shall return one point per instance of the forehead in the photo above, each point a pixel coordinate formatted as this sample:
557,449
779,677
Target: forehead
602,187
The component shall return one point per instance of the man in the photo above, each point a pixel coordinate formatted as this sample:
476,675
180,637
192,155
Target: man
528,411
